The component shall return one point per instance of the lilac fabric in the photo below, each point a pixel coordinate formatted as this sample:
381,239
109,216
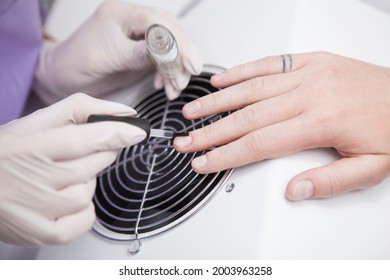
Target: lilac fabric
20,42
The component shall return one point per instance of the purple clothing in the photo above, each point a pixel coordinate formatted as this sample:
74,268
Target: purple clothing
20,42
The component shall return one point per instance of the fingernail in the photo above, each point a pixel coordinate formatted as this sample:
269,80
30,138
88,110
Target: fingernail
302,190
218,77
183,141
191,108
199,162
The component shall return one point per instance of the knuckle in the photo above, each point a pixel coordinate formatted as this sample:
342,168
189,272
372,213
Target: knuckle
78,98
319,118
329,70
256,86
247,118
256,144
326,186
330,73
215,100
208,133
332,186
240,70
322,58
270,60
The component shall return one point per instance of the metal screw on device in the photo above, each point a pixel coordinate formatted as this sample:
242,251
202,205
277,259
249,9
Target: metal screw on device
229,187
135,246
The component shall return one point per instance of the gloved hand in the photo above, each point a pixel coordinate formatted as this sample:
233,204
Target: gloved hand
108,52
48,166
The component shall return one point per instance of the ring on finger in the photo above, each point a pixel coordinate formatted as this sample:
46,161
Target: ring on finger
286,62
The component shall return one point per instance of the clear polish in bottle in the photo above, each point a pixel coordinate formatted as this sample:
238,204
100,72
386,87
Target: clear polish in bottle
163,50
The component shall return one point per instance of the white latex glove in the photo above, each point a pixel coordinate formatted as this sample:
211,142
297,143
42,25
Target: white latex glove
48,166
108,52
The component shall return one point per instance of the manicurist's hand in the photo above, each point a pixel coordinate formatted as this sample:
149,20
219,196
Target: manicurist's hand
48,166
295,102
108,52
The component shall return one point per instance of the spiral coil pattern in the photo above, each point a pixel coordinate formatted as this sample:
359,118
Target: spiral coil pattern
151,188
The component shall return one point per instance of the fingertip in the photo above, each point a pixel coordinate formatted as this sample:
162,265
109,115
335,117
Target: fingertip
217,80
338,177
171,92
191,109
92,215
300,190
180,143
199,164
117,135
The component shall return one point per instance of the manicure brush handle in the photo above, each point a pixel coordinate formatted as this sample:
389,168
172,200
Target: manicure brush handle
144,124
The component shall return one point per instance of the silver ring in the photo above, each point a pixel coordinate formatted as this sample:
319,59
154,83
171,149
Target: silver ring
287,63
